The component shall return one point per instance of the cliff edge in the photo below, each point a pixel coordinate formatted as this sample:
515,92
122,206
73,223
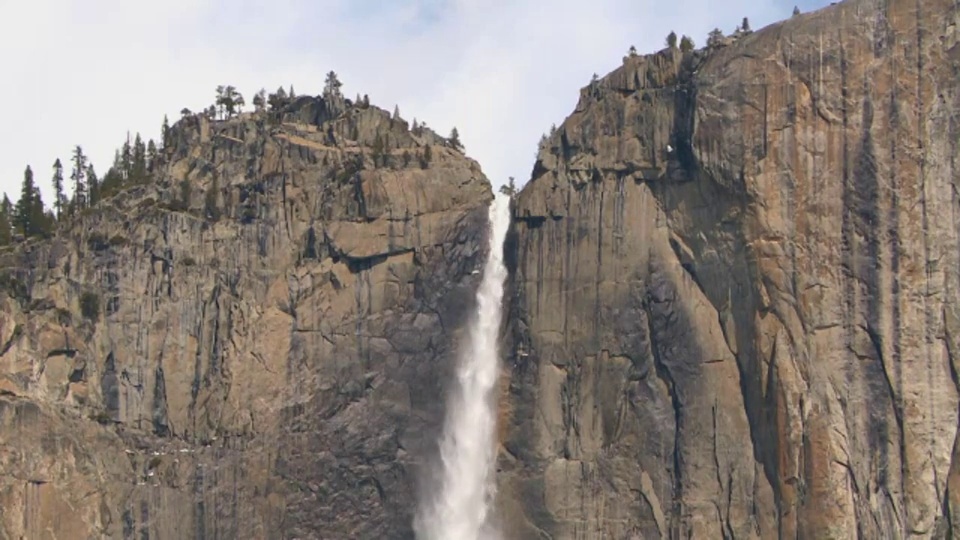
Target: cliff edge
735,294
251,346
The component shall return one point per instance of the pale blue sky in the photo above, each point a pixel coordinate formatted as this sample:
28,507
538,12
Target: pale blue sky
501,71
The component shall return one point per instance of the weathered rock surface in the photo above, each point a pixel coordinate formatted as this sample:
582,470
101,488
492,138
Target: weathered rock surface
252,347
735,295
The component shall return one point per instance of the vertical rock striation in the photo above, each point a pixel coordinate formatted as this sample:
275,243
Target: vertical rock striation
251,347
735,289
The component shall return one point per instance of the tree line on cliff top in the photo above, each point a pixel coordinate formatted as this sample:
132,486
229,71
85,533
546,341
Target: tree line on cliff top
135,161
76,186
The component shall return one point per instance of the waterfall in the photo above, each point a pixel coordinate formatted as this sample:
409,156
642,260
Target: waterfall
459,508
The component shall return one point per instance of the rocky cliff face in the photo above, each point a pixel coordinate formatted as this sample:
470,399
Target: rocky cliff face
735,294
253,346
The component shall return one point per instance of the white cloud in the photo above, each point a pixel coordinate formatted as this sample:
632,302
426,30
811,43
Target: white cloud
86,72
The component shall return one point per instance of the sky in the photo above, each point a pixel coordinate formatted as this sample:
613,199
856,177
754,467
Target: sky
501,71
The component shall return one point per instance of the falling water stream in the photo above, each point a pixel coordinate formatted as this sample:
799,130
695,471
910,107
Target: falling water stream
459,507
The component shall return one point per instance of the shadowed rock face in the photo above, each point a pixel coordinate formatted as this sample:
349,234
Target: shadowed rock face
753,333
733,311
269,343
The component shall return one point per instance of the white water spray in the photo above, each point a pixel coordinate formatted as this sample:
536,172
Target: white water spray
460,507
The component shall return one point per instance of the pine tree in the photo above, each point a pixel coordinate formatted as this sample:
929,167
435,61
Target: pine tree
715,38
126,158
165,133
277,100
152,155
292,93
238,102
745,25
58,197
113,180
396,112
796,11
6,221
139,165
686,44
30,218
455,139
331,87
260,100
78,176
229,101
672,40
93,185
221,96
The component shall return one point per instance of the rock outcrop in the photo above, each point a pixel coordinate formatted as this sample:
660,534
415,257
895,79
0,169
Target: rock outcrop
735,291
253,346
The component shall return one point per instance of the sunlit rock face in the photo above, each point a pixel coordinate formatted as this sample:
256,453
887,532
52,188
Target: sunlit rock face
734,306
274,321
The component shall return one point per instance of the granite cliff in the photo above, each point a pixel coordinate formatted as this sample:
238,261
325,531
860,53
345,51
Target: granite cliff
252,346
732,311
735,300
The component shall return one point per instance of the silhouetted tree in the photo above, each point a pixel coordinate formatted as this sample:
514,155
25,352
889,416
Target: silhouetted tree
126,158
151,156
672,40
93,185
686,44
278,99
164,133
6,221
331,87
396,112
455,139
29,217
714,38
796,11
510,188
229,101
632,51
745,25
260,100
78,175
58,196
112,182
239,103
138,171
